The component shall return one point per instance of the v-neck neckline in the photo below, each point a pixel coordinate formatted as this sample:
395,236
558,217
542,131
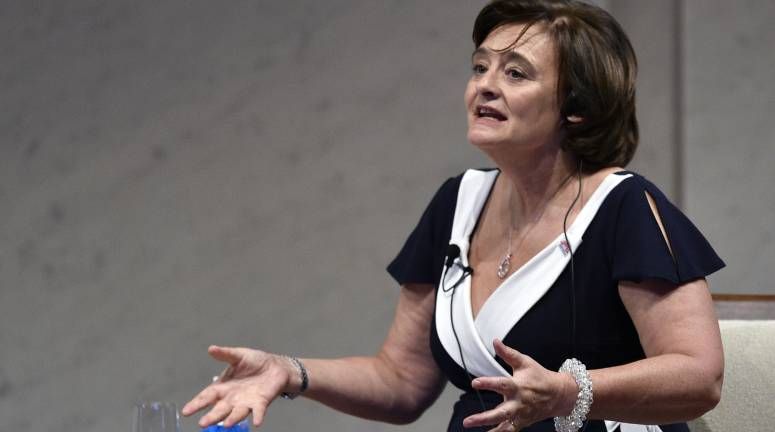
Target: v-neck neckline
459,333
532,259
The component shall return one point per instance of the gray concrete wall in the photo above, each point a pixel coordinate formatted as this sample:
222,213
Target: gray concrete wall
730,138
175,174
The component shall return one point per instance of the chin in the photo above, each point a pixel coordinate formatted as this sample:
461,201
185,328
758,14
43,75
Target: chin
482,140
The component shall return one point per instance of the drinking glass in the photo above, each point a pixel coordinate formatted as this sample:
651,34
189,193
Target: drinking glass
156,417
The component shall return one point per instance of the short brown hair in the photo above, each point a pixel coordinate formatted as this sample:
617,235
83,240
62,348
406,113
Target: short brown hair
596,73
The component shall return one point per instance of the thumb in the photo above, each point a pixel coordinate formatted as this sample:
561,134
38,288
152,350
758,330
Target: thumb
229,355
514,358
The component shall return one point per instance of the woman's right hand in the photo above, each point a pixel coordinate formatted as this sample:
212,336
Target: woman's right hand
251,382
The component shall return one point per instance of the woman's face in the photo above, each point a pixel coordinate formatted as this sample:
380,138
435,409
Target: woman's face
511,98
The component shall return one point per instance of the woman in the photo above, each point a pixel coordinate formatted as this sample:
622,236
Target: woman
499,294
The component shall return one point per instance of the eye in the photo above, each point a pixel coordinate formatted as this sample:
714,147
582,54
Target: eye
515,74
479,69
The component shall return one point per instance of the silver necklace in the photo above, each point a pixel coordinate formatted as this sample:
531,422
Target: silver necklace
505,263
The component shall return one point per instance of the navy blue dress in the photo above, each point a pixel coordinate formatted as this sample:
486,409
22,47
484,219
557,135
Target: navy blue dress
623,242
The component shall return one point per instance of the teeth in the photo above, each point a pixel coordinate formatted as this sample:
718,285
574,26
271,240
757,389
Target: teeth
485,110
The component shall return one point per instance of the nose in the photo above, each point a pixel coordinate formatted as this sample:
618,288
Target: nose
487,85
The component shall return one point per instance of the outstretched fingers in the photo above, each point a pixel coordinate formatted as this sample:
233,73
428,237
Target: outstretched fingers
219,412
258,414
506,426
237,414
249,383
514,358
205,398
503,385
504,412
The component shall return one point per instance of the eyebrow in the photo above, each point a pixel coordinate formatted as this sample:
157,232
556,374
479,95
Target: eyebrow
508,56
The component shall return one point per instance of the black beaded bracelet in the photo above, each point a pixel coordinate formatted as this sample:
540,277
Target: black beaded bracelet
304,378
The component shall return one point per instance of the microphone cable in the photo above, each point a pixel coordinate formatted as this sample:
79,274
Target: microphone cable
573,273
459,347
453,253
572,264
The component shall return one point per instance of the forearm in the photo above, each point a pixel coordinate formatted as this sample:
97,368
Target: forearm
370,387
659,390
681,377
397,384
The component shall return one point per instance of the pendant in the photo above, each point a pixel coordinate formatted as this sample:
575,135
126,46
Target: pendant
503,267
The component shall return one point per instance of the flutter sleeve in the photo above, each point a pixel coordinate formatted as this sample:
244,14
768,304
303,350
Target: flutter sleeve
422,256
639,249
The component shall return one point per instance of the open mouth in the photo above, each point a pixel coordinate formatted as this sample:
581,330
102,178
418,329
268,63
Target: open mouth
489,112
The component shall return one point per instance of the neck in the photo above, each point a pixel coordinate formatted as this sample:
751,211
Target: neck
531,181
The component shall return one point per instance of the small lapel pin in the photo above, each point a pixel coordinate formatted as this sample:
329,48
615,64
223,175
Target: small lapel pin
565,247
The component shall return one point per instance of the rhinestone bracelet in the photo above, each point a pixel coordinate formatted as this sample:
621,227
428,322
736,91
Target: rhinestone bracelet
574,421
304,378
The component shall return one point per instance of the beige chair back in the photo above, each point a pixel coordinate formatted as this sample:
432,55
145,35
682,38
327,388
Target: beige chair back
748,395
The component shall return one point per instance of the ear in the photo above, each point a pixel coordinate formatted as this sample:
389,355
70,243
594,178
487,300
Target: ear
575,119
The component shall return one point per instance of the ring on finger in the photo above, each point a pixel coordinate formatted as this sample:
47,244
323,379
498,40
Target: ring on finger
513,422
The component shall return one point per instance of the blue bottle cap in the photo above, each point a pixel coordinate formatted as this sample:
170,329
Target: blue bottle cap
242,426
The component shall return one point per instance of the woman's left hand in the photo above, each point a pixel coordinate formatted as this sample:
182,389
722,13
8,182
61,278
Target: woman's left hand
531,394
